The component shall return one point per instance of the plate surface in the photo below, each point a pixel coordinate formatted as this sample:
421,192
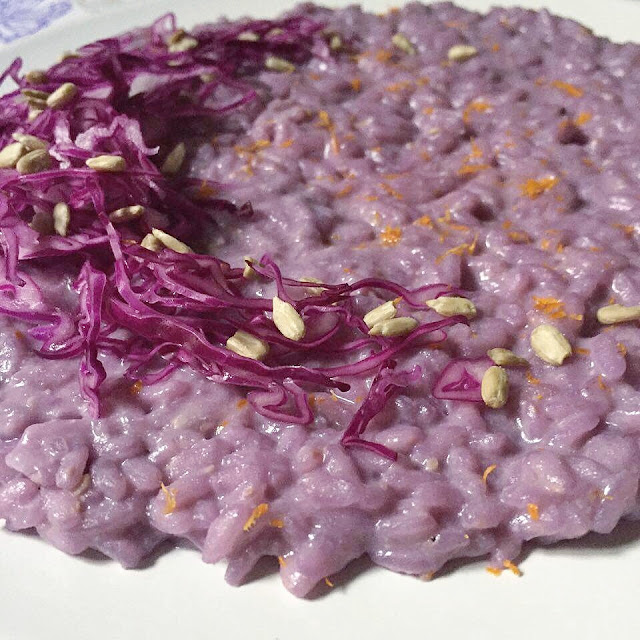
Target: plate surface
583,589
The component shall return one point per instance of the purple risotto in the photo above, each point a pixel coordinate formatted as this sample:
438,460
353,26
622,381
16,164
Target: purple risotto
332,285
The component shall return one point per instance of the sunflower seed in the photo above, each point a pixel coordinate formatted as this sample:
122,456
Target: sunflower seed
402,42
288,321
495,387
176,36
549,344
10,155
335,42
35,94
35,76
30,142
151,243
37,103
249,273
273,63
107,163
67,55
448,306
381,313
170,242
61,218
394,327
42,222
461,53
62,96
614,313
247,345
185,43
126,214
314,291
34,112
248,36
506,358
173,162
34,161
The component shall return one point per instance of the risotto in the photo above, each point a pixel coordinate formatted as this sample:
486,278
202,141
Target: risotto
333,285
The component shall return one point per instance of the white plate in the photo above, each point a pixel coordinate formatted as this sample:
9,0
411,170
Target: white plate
584,589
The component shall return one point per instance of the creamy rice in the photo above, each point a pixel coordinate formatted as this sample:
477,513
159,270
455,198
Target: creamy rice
513,175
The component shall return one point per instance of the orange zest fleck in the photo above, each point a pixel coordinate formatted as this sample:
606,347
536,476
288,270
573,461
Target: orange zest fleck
278,523
535,188
507,224
554,308
601,383
387,188
427,110
494,571
327,123
622,349
346,190
256,514
424,221
627,228
582,118
533,510
512,567
467,169
390,236
519,237
398,86
136,388
281,561
383,55
495,47
531,379
569,89
477,106
242,403
19,335
490,469
285,144
329,583
258,145
169,499
356,84
476,151
459,250
205,190
582,351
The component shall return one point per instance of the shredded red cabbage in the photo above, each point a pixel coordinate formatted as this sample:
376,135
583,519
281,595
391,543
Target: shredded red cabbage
385,385
159,311
461,379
